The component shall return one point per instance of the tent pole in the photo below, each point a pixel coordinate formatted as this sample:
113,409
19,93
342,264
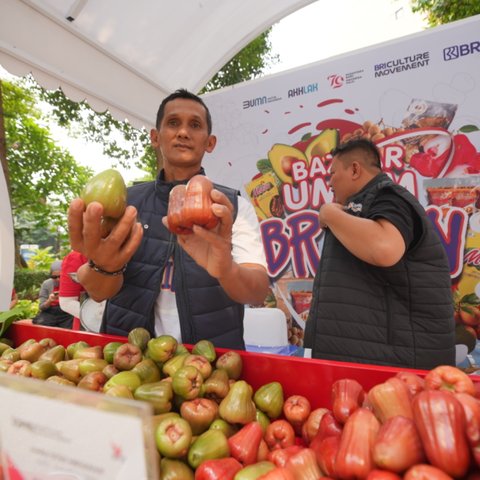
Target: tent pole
3,142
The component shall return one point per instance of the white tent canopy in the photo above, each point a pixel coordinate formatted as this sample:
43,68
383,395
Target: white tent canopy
126,55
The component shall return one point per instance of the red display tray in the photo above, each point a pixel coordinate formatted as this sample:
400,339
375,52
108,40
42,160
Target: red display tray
300,376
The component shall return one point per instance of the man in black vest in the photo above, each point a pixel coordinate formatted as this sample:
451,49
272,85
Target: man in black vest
192,286
382,292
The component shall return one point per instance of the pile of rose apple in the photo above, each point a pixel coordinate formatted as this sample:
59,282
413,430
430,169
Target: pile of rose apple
406,427
209,424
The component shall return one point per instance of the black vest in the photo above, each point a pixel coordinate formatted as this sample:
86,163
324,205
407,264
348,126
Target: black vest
400,315
205,310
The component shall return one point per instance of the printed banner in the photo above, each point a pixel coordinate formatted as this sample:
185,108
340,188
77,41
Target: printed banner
417,98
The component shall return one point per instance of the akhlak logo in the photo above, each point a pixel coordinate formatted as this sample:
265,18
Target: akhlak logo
354,207
336,81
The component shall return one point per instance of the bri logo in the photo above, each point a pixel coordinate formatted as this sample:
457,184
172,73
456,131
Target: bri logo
457,51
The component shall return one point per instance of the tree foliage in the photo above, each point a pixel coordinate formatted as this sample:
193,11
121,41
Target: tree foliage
249,63
43,178
444,11
120,141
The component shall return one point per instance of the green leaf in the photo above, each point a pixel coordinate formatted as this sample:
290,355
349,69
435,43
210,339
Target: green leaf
467,308
438,12
264,165
306,137
469,129
470,299
7,318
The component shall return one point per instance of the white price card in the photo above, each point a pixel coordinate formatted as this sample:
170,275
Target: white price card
54,432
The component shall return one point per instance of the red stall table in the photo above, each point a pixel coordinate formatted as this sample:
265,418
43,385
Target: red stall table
312,378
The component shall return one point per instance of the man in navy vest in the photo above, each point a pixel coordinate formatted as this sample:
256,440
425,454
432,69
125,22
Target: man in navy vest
189,286
382,292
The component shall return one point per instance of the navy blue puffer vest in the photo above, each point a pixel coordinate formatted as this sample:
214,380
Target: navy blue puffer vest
205,311
400,315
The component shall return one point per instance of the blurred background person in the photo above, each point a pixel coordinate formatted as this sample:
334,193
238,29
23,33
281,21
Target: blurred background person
87,314
70,291
50,313
14,299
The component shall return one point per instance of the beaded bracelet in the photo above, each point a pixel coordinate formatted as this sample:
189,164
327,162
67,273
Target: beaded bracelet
97,269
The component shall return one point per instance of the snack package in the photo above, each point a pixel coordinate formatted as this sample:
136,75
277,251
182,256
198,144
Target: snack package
265,197
454,192
426,114
294,296
433,147
468,288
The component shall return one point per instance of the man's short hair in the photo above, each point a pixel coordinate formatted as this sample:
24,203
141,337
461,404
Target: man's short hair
367,146
183,93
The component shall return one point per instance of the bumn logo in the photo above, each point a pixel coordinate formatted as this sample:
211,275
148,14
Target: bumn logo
254,102
457,51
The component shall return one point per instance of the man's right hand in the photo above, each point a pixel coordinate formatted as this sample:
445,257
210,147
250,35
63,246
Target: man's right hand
110,253
52,297
329,211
